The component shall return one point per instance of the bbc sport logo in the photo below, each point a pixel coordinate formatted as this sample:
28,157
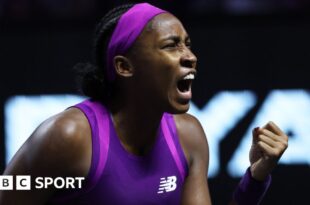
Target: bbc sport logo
23,182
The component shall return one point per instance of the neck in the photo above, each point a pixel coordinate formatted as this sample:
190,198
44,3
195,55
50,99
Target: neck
136,123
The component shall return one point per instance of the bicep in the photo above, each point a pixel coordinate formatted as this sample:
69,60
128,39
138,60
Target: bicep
59,147
22,164
196,189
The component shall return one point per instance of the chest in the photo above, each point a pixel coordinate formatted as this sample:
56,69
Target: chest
152,179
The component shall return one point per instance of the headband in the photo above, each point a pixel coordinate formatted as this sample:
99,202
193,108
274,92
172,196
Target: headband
127,30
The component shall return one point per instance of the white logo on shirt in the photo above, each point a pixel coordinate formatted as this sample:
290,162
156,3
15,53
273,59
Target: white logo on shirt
167,184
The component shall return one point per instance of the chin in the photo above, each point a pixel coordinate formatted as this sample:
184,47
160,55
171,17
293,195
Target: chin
178,108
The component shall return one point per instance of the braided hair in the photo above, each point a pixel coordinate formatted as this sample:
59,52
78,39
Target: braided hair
92,77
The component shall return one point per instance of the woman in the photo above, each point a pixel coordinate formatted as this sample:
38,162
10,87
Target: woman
123,140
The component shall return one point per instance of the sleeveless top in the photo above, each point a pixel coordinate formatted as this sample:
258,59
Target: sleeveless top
117,177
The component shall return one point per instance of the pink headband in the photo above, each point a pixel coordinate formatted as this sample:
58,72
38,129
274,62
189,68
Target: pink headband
127,30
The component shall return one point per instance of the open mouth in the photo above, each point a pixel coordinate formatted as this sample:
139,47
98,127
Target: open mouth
184,85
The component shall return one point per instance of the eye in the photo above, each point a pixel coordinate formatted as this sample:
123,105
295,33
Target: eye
170,45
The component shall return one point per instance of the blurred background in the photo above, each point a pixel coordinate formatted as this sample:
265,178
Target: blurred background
254,60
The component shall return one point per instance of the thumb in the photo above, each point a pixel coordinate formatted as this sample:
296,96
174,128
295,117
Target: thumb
255,135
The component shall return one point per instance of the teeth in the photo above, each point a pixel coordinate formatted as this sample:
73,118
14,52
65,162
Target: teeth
189,77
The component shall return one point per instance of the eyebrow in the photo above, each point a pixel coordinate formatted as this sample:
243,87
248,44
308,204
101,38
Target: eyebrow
176,38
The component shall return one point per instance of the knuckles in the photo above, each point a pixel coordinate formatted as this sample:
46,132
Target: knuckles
276,153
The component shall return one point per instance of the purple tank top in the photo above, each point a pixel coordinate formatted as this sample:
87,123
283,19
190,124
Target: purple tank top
117,177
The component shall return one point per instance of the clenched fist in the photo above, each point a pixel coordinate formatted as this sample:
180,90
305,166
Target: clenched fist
268,145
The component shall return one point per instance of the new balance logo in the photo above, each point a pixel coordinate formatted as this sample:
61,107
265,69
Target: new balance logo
167,184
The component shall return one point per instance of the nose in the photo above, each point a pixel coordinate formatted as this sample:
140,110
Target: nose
188,59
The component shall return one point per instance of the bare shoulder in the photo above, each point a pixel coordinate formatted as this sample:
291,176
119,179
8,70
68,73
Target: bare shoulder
60,146
187,123
192,136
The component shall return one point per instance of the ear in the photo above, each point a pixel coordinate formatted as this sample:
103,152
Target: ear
123,66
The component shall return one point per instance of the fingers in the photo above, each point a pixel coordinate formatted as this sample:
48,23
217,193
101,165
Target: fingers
269,143
273,136
271,126
266,149
272,140
272,130
271,152
267,140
